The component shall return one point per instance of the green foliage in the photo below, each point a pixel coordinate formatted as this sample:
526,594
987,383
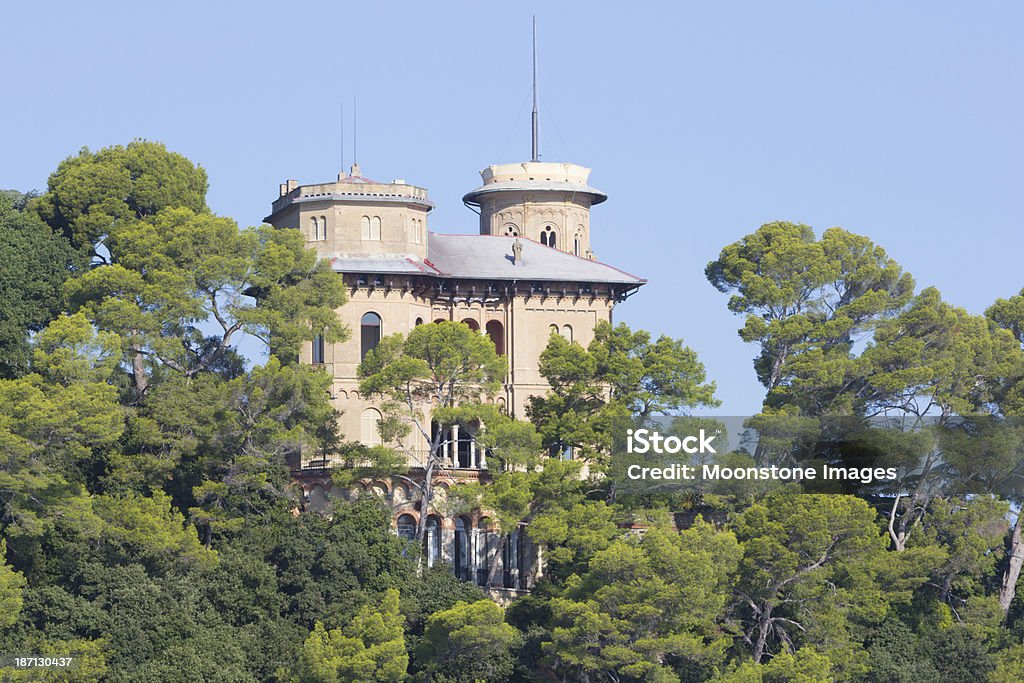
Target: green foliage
971,534
176,270
468,642
369,648
1009,665
441,374
92,194
809,570
806,301
149,522
622,618
444,362
36,262
574,533
959,654
803,666
933,351
621,376
11,585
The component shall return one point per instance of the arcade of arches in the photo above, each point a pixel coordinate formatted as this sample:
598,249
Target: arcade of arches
470,544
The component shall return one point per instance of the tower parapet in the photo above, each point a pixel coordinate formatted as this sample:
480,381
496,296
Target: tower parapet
356,216
544,201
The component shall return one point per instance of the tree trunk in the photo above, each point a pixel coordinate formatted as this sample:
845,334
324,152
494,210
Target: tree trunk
898,536
764,625
139,370
425,502
1008,587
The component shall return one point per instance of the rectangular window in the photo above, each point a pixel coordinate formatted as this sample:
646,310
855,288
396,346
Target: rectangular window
318,349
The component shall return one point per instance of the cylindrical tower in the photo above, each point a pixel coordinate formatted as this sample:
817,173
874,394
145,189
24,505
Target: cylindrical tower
543,201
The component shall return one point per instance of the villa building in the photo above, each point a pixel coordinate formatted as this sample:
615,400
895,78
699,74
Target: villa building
529,272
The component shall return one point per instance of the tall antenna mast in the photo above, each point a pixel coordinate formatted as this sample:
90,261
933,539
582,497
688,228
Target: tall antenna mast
536,115
355,131
342,137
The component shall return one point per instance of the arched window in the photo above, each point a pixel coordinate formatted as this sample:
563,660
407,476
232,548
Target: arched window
419,321
317,230
463,563
511,230
577,244
318,349
368,427
364,227
472,324
497,334
369,333
552,329
486,547
375,228
440,320
547,236
433,540
406,526
567,333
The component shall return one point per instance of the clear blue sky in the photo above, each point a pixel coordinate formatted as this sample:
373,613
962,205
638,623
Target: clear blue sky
900,121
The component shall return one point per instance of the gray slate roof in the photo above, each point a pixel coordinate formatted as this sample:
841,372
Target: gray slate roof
489,257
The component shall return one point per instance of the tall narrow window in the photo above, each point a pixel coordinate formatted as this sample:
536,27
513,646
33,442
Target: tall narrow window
465,448
510,554
369,337
497,334
547,237
375,228
462,563
318,349
486,547
364,227
577,245
369,433
567,332
314,230
322,233
433,540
